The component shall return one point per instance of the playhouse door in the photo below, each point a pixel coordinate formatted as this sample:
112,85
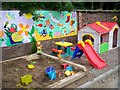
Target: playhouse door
115,38
85,37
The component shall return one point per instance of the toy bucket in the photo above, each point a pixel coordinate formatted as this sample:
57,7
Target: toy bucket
52,75
49,69
64,66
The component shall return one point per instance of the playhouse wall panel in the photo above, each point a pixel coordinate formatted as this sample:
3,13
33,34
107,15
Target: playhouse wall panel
88,30
119,37
110,40
97,42
111,37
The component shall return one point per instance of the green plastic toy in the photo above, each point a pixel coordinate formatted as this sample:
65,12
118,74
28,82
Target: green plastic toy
19,85
26,79
33,62
16,69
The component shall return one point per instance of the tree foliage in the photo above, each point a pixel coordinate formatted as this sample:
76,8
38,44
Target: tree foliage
31,7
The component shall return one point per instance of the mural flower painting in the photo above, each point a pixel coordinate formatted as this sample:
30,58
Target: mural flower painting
1,37
1,33
23,29
11,34
46,25
24,32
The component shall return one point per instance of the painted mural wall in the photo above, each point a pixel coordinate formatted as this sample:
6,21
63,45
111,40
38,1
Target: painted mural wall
15,29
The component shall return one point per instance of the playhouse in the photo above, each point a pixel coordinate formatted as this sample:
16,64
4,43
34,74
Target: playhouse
104,35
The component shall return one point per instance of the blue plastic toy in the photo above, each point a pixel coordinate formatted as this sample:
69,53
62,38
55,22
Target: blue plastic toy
70,68
50,71
52,75
50,68
77,53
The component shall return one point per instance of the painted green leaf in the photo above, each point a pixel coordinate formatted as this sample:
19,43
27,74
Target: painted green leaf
32,30
2,39
7,41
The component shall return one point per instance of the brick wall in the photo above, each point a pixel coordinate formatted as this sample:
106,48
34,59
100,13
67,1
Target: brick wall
16,51
85,18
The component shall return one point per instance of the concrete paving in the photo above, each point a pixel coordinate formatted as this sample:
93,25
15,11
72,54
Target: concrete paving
110,82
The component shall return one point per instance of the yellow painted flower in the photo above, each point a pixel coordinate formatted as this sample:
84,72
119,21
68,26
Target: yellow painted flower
28,15
23,29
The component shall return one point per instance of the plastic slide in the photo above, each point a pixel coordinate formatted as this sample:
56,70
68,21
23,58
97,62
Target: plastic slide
92,56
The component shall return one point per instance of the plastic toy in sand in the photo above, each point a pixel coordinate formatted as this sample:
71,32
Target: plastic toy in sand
51,62
21,86
50,71
70,68
26,79
64,66
16,69
31,66
33,62
72,72
69,71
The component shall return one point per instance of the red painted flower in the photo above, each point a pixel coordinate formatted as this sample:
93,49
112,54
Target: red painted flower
12,30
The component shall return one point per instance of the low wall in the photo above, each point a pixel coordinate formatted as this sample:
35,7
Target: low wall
16,51
27,48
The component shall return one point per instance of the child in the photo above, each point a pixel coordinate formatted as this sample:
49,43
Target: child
39,47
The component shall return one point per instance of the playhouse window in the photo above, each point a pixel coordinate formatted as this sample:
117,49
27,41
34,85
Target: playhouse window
101,39
104,38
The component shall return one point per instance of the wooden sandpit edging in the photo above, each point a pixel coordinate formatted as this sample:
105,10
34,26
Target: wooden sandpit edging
63,82
67,80
63,60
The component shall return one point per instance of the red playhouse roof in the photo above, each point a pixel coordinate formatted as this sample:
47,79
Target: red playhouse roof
102,27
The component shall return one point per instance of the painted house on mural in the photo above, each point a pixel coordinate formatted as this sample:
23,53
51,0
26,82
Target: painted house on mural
104,35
